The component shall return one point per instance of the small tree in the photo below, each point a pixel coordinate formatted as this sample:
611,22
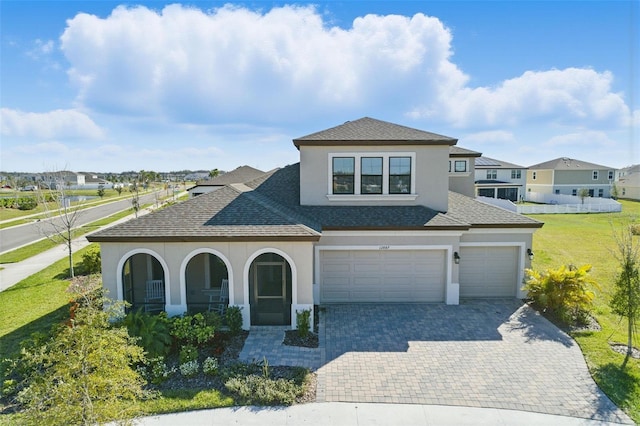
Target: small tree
60,217
214,173
84,373
583,193
101,191
135,198
625,300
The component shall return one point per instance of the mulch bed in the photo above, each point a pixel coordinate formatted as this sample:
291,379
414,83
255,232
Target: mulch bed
622,349
292,338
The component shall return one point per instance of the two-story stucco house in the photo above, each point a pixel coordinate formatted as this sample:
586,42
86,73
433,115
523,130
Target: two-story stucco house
628,182
365,216
499,179
568,176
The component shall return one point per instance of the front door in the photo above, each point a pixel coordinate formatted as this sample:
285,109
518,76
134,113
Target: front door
270,292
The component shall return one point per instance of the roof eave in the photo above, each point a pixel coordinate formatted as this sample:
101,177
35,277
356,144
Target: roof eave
375,142
187,239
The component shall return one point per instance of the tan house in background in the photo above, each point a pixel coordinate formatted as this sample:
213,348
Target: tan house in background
567,176
628,182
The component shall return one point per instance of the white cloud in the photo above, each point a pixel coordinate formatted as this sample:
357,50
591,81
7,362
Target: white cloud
577,140
287,65
55,124
490,137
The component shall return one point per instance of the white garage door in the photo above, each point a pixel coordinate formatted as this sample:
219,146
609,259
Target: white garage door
488,271
382,276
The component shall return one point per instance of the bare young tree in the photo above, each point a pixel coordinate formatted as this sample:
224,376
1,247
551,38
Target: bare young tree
625,300
60,218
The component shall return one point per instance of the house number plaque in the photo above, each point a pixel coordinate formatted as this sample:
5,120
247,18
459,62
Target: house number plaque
383,248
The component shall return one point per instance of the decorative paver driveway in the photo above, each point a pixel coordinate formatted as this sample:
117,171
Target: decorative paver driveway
496,354
492,354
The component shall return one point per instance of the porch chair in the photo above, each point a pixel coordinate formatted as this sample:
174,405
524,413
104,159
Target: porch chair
154,296
223,300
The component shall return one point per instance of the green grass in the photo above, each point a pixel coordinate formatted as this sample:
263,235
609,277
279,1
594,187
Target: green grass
588,239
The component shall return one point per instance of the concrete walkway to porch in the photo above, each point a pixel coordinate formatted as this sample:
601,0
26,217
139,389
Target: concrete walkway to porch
266,342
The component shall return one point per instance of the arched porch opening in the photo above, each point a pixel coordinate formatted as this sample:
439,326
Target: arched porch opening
270,290
143,283
206,289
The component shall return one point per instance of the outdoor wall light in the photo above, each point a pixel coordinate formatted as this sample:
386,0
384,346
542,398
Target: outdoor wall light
456,258
530,254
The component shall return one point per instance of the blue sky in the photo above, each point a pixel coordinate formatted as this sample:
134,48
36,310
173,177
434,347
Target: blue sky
109,86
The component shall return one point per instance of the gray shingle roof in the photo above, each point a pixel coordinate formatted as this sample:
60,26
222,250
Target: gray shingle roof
238,175
456,151
566,163
369,131
269,208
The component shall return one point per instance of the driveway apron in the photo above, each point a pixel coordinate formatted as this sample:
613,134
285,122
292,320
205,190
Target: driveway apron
491,354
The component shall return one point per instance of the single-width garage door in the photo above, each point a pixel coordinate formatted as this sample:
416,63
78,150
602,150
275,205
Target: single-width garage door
488,271
382,276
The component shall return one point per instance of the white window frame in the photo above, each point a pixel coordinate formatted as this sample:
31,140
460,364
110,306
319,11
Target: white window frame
595,175
492,174
516,174
611,175
534,175
357,195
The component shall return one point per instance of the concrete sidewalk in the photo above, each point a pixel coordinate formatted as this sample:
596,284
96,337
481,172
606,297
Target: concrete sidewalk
352,414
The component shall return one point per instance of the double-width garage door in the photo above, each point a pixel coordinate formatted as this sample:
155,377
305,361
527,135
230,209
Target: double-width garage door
382,276
488,271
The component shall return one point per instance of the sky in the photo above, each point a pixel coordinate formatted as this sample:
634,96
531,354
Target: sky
108,86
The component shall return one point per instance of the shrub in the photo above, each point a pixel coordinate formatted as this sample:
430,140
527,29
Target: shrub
192,329
156,370
210,366
563,292
233,315
152,332
91,262
261,390
188,353
27,203
635,229
189,369
303,320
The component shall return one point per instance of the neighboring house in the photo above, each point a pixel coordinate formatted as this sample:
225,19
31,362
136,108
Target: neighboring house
628,182
365,216
499,179
64,177
568,176
462,170
239,175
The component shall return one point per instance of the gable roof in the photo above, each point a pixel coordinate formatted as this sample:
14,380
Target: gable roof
238,175
491,163
268,208
566,163
369,131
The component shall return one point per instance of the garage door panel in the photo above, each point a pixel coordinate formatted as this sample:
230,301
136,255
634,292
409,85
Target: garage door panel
379,276
488,271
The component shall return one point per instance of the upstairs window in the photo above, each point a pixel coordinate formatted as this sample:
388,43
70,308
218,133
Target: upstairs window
460,166
516,174
534,175
343,175
595,175
371,175
399,175
492,174
611,175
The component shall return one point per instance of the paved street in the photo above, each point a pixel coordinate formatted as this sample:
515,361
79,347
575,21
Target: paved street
491,354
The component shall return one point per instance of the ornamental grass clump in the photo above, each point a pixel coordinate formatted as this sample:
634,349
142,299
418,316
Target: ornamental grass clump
565,292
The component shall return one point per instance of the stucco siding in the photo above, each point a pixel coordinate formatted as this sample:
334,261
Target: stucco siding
430,168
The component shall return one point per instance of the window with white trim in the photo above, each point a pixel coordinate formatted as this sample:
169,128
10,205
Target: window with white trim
534,175
492,174
611,175
516,174
595,175
372,174
343,175
460,166
399,175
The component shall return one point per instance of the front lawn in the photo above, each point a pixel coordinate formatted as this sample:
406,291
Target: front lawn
580,239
